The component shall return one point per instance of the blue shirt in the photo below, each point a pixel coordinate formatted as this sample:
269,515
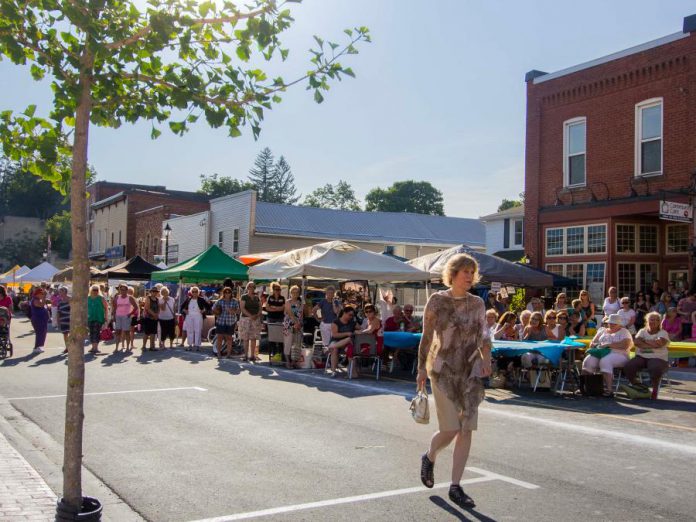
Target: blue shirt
327,311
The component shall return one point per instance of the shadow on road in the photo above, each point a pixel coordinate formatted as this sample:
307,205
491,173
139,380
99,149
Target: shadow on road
446,506
14,361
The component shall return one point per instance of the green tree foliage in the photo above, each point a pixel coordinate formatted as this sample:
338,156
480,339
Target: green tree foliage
58,229
419,197
112,62
508,203
341,197
26,249
216,186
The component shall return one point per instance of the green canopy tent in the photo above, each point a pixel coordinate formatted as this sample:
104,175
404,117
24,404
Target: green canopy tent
210,265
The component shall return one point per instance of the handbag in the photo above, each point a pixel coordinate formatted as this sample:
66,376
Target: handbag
598,352
420,409
636,391
592,385
107,334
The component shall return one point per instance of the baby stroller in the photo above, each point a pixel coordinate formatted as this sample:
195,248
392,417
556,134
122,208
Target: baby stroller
5,344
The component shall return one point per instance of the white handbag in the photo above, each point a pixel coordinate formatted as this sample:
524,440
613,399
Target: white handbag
420,409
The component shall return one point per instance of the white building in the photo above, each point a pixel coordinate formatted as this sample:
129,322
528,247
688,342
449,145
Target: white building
505,233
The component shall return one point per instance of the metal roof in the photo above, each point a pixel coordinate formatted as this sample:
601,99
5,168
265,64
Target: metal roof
384,227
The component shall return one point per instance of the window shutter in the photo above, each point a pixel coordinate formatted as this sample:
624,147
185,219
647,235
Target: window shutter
506,233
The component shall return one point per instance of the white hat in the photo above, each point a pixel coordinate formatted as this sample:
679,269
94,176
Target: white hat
615,319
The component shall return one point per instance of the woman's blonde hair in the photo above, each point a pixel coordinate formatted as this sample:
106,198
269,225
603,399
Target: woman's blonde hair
537,315
457,263
293,288
164,290
95,287
653,314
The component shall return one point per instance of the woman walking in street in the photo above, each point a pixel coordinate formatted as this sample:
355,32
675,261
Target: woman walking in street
134,320
97,312
194,310
250,322
455,352
39,318
63,308
167,318
226,310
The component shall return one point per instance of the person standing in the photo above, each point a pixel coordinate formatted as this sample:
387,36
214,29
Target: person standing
123,306
97,312
250,322
63,309
328,307
150,318
194,310
55,301
292,325
167,318
6,302
226,311
275,313
455,352
39,318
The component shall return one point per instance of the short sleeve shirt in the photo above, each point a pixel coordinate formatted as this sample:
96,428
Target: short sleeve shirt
607,337
327,311
653,353
275,317
228,312
342,328
611,308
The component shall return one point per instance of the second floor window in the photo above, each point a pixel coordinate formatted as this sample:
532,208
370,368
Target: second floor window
574,152
649,137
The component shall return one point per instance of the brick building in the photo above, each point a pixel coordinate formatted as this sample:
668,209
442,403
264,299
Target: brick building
606,141
125,219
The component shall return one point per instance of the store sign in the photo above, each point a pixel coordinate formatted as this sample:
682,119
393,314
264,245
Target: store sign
115,252
673,211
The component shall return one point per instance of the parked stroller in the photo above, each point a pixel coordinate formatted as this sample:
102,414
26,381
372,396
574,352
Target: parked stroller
5,343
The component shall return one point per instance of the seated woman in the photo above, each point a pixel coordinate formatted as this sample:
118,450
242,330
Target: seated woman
554,332
575,324
672,324
371,325
628,315
491,321
535,331
342,330
617,340
561,302
525,316
506,331
651,353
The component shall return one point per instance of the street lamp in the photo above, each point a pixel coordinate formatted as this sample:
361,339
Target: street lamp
167,233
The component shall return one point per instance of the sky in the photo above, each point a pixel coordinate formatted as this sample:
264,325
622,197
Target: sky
439,96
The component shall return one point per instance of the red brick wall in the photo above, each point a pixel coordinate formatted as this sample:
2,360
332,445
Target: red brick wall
606,96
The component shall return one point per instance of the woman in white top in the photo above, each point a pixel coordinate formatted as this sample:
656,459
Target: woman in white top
611,303
525,316
619,341
167,318
561,302
652,344
628,315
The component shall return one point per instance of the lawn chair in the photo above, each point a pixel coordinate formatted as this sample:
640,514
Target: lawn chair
369,353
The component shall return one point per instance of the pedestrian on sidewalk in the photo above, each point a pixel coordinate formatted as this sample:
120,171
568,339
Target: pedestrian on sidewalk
97,312
250,322
63,310
226,311
167,318
123,306
39,318
455,352
150,318
194,310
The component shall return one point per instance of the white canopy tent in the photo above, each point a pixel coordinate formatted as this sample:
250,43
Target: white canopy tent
38,274
14,277
336,260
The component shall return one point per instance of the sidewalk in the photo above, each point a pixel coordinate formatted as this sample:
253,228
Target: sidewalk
23,493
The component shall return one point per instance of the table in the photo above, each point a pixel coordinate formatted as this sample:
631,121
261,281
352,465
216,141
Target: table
401,341
552,350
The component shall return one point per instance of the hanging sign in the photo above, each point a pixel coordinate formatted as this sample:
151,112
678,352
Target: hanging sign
673,211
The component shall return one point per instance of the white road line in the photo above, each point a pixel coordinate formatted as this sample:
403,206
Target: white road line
617,435
487,477
196,388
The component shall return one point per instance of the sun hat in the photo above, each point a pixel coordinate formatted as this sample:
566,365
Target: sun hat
615,319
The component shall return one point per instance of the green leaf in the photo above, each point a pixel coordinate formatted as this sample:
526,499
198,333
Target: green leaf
155,133
319,41
349,72
318,97
243,53
29,111
235,132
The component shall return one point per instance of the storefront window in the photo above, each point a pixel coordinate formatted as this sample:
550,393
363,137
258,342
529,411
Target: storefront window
554,242
596,239
575,240
677,239
647,239
625,239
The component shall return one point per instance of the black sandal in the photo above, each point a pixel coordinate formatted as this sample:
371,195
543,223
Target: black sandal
457,495
427,475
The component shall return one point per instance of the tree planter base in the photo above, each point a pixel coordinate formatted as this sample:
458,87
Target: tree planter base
91,511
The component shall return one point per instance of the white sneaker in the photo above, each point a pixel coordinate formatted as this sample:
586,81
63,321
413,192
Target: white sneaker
39,349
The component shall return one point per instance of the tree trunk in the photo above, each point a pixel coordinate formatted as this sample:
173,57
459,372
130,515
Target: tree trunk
74,414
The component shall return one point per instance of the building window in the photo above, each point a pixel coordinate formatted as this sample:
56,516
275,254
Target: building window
585,239
632,239
635,276
220,239
235,241
519,232
589,276
574,152
155,245
677,239
649,137
140,247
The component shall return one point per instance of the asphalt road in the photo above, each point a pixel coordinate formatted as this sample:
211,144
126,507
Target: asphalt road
179,437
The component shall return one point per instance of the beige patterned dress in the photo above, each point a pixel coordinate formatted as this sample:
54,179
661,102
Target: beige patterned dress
455,339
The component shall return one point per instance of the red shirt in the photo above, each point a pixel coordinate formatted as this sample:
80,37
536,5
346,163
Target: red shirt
391,324
7,303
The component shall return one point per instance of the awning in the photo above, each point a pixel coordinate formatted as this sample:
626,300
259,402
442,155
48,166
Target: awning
208,266
135,269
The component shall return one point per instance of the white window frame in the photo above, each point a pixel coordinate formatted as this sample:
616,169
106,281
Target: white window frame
585,240
584,272
566,155
688,247
513,225
636,239
235,241
636,273
647,104
221,238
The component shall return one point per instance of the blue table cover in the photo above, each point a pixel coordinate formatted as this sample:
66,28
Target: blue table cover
552,350
401,340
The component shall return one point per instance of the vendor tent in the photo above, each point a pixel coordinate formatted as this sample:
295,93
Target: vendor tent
254,259
67,274
38,274
135,269
491,268
336,260
11,275
211,265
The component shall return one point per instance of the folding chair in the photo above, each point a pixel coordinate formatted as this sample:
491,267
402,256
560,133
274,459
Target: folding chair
275,335
371,340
